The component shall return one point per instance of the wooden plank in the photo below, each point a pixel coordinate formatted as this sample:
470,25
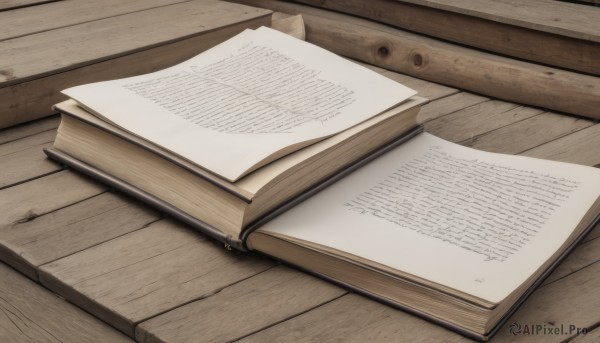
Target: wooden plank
147,272
50,52
536,37
249,306
592,336
14,4
583,256
593,235
571,301
451,104
426,89
446,63
528,133
23,159
580,147
478,119
31,128
558,17
26,21
353,318
31,314
25,202
27,142
71,229
99,50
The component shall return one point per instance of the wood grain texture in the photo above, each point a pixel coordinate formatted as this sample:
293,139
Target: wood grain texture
35,19
571,301
31,128
99,51
24,202
585,255
71,229
551,16
574,49
353,318
63,49
426,89
246,307
446,63
31,314
593,235
23,159
529,133
592,336
147,272
14,4
465,124
448,105
580,147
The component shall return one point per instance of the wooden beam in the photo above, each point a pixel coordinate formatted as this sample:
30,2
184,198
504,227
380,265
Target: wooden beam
35,68
446,63
30,314
6,5
249,306
34,19
548,32
147,272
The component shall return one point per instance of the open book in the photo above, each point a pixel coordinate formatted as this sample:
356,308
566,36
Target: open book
245,102
228,136
232,139
456,235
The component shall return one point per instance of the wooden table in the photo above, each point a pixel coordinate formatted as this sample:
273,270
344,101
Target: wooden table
140,276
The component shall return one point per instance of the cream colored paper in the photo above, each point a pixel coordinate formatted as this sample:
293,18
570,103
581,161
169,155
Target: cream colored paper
478,222
232,107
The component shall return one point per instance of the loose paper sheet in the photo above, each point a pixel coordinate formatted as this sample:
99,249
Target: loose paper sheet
478,222
234,105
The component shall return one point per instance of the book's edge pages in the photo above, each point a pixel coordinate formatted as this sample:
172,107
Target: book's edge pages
328,181
543,277
470,334
69,107
145,197
239,154
229,241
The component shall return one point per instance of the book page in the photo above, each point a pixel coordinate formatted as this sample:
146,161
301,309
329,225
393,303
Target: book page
233,106
478,222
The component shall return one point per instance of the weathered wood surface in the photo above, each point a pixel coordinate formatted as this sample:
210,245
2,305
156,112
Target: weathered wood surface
31,314
249,306
353,318
23,159
553,33
36,67
29,20
15,4
558,17
590,337
28,129
184,282
147,272
434,60
27,201
159,281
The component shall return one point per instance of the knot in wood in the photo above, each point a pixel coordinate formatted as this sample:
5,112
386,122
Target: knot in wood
383,51
417,60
